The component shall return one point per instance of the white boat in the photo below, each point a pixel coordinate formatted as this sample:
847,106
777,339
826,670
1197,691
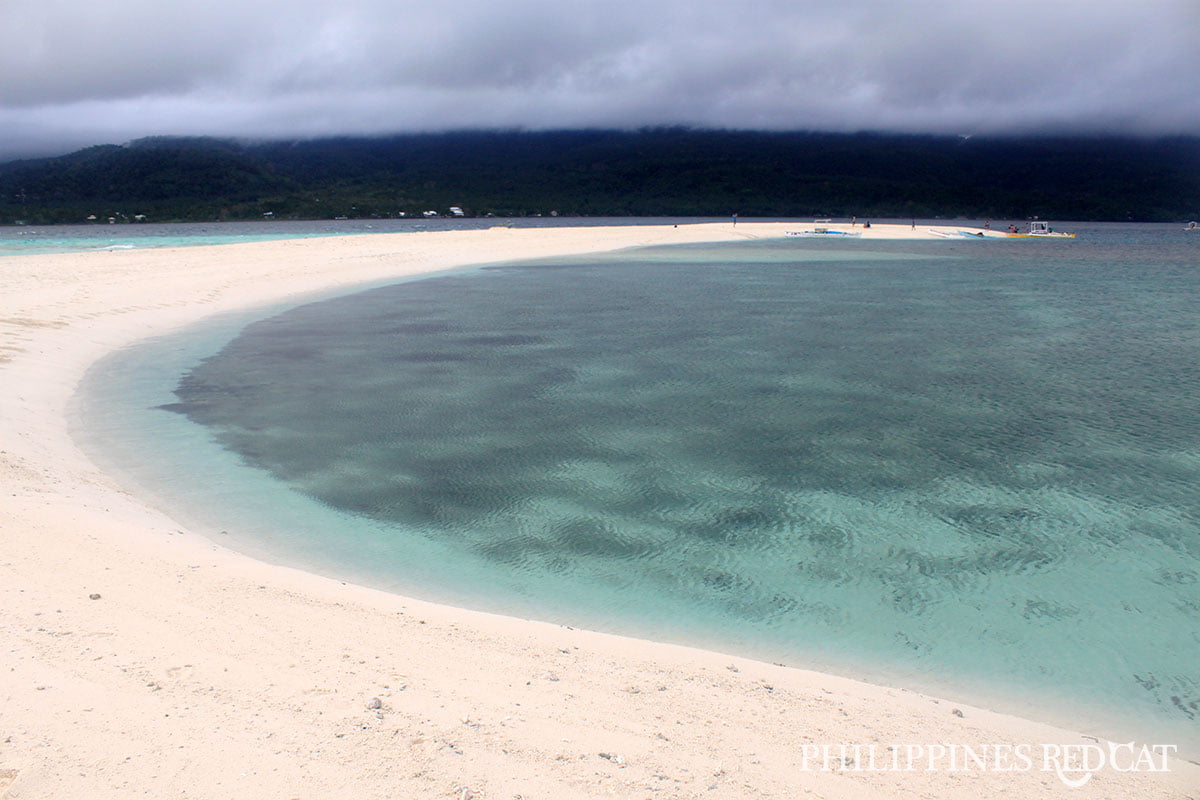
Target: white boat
1041,230
822,232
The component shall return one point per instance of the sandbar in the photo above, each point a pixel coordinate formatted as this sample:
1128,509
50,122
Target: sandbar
141,658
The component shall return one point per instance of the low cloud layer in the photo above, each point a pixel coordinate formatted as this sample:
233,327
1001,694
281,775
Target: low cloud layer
75,73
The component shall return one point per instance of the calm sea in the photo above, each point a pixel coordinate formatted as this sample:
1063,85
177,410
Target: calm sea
965,467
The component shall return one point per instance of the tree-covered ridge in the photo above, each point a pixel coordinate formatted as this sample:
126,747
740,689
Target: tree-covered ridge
655,172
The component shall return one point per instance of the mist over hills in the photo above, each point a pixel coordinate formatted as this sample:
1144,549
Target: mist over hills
653,172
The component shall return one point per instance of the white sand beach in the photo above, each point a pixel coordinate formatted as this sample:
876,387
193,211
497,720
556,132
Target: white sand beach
138,658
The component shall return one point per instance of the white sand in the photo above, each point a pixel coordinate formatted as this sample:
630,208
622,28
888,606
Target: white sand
202,673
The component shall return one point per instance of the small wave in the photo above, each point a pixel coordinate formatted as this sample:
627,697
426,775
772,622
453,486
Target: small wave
115,247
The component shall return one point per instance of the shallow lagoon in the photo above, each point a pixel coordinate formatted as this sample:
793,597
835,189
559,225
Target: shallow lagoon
967,467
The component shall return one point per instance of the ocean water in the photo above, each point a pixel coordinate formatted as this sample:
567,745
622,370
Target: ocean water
21,240
964,467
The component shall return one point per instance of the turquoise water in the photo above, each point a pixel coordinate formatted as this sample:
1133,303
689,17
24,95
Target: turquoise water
941,465
44,239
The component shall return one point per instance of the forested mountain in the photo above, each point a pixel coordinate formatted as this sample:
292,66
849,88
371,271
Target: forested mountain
656,172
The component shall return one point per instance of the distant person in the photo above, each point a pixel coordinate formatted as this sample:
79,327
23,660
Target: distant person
914,227
735,220
867,224
987,226
853,221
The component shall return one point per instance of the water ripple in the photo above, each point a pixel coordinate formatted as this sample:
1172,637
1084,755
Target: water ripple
949,465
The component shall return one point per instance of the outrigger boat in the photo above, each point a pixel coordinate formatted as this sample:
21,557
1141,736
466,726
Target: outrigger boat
1041,230
957,234
823,232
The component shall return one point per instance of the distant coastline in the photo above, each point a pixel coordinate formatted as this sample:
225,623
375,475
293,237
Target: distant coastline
669,172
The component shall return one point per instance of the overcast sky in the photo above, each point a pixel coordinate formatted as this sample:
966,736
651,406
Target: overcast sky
79,72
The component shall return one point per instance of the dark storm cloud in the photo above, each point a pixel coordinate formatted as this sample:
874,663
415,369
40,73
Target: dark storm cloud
74,73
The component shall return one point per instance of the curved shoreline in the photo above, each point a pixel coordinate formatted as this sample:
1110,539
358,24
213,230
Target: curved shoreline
202,672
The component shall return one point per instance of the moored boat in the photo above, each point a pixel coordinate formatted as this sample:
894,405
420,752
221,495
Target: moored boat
1041,230
823,232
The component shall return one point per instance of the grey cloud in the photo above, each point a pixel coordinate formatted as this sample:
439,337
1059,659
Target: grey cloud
74,72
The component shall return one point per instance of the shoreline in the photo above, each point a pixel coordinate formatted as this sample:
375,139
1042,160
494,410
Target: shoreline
103,238
201,672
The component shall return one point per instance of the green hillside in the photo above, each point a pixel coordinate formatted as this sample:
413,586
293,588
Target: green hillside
658,172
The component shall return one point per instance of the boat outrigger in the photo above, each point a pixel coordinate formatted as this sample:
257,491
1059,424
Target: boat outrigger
823,232
1041,230
941,234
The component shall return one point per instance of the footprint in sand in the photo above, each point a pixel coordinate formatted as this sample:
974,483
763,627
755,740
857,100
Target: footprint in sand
7,777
